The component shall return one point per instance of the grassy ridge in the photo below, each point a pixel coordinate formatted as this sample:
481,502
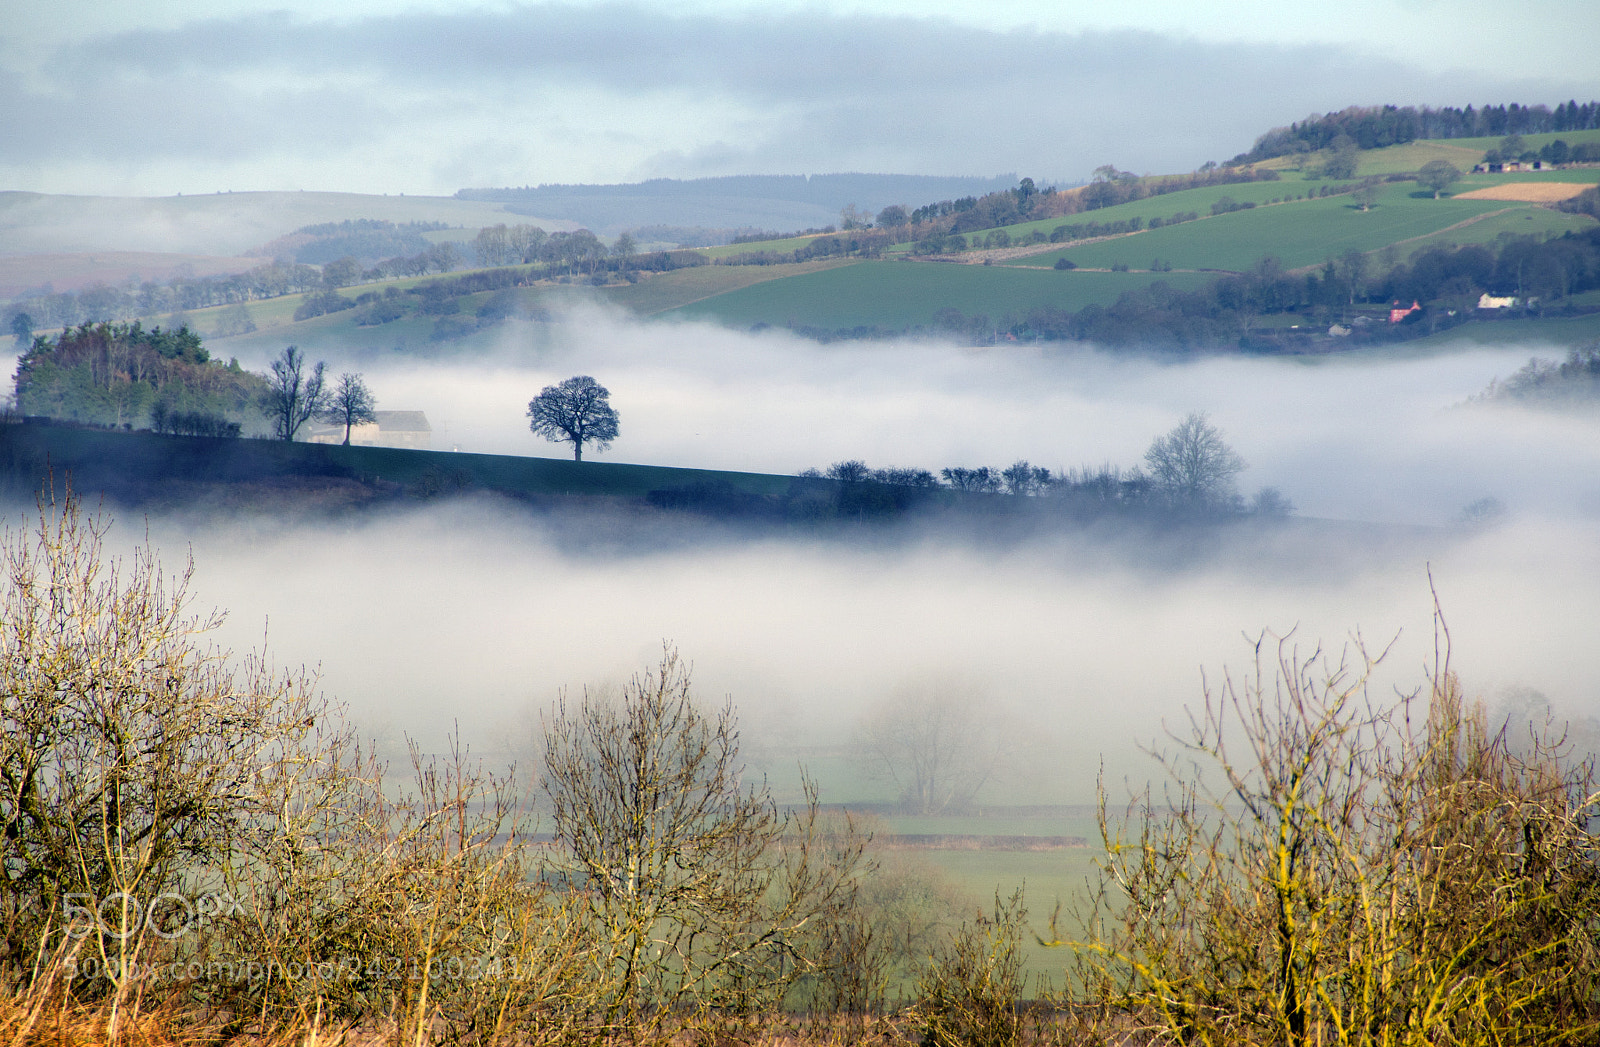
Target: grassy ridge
905,294
1301,233
96,458
682,287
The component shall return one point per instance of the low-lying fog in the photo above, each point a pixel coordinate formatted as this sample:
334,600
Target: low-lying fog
474,611
1364,439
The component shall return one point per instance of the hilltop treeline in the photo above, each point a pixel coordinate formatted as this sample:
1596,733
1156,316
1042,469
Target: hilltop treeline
364,239
121,375
1373,127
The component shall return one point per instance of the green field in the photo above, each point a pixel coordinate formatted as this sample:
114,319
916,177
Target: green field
897,295
1555,330
1303,233
1519,221
788,243
664,291
653,294
1168,204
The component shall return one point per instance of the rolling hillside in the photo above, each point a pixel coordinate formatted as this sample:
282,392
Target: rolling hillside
1174,243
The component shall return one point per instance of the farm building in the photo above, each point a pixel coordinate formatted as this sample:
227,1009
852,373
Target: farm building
1489,301
1399,313
392,429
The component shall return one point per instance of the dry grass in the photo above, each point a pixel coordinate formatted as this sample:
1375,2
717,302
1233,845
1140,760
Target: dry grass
1527,192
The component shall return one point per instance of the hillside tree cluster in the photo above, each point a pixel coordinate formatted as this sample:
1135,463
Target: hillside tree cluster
1373,127
124,375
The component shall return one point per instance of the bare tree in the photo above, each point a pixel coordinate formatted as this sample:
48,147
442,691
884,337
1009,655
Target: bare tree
705,893
936,743
131,747
1022,478
1192,464
350,404
578,412
293,396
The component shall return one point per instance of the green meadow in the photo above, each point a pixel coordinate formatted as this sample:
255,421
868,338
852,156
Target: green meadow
900,294
1302,233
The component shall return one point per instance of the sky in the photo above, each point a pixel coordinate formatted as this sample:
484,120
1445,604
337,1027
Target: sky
170,96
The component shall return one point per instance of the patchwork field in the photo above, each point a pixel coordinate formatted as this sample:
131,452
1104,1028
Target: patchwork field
1530,192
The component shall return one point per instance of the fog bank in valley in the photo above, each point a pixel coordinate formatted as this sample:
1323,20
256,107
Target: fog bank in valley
479,612
1366,438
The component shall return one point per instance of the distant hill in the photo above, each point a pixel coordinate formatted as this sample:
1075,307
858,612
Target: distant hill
215,224
778,202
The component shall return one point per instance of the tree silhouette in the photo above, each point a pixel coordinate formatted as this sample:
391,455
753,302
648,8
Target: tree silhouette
293,396
1192,464
351,404
577,412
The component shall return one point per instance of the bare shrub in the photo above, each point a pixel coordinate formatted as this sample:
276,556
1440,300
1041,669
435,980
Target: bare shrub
179,831
969,994
704,898
1326,868
130,745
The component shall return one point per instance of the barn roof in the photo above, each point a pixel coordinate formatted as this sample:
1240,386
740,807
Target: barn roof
403,422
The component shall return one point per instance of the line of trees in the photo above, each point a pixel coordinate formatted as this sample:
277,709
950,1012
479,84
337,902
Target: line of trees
123,376
1446,280
360,239
1373,127
103,302
1189,470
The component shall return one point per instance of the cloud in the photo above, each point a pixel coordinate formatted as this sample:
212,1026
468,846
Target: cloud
613,91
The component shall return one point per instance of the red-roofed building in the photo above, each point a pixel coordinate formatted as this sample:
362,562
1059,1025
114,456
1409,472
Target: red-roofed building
1397,314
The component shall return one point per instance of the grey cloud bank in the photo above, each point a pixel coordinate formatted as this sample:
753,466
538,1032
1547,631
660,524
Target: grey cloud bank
433,101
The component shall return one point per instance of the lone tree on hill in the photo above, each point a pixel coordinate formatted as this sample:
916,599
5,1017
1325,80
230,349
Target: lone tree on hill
293,396
578,411
351,404
1437,175
1192,464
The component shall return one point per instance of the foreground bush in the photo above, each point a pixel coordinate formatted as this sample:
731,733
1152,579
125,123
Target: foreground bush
197,851
1329,869
182,833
